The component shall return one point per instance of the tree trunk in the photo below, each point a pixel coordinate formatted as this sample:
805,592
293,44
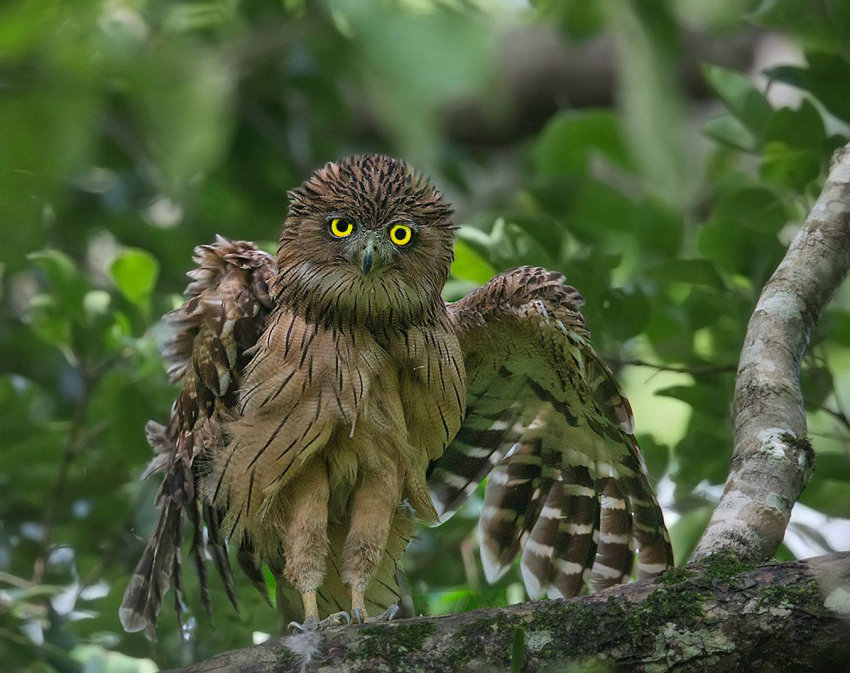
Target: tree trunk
719,615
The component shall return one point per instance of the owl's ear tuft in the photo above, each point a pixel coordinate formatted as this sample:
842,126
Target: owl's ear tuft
295,195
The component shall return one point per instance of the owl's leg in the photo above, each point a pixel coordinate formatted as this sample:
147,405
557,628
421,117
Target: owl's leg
373,506
306,538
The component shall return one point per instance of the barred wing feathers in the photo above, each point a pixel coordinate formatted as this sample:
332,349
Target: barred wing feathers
567,489
226,306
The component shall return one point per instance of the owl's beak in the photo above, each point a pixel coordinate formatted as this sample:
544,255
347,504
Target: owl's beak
367,255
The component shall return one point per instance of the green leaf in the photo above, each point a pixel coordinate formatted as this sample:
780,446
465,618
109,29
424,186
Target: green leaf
578,18
702,455
691,271
183,100
789,166
741,233
802,128
417,62
197,16
686,532
595,211
827,78
824,24
650,99
50,320
469,265
730,131
836,465
48,130
625,311
571,138
67,282
829,496
742,98
705,398
834,325
657,456
817,385
135,272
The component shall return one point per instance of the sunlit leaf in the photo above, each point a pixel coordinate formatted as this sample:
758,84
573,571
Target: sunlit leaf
469,265
135,272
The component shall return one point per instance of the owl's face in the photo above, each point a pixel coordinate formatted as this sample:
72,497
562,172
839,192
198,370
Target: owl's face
366,241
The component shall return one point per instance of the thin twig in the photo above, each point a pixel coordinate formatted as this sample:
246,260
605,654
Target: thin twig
836,415
15,581
47,649
72,447
693,371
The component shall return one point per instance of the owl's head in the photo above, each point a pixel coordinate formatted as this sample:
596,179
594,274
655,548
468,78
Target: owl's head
367,241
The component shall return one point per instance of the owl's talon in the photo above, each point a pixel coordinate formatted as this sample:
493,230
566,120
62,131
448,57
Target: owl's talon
360,616
310,623
386,616
313,624
336,619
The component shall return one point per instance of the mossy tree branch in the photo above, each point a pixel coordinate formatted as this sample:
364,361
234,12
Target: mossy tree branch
718,615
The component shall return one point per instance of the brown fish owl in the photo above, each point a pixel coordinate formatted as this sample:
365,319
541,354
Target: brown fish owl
331,397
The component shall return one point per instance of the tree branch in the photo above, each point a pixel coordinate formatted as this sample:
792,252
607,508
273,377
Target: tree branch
718,615
72,447
773,459
707,370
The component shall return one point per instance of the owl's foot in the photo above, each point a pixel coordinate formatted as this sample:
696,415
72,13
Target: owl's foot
312,622
386,616
311,616
358,610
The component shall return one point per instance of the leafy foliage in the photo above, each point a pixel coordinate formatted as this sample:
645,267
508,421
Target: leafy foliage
136,129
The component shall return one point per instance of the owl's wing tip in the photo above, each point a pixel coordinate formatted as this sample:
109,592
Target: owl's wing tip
494,566
131,621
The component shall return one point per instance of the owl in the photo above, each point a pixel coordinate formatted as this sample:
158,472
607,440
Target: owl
332,401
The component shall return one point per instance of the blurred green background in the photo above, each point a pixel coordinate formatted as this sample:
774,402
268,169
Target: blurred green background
661,153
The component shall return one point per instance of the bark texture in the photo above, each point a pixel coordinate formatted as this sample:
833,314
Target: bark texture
773,459
720,615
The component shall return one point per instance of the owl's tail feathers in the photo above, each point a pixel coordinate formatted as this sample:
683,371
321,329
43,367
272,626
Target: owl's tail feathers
388,586
161,563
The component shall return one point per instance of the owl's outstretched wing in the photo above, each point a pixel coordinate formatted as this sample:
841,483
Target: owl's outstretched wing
225,309
545,418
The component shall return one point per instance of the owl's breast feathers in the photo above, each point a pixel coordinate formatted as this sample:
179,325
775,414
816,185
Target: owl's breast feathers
346,395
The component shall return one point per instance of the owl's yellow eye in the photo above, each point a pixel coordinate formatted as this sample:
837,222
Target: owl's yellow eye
400,234
341,228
